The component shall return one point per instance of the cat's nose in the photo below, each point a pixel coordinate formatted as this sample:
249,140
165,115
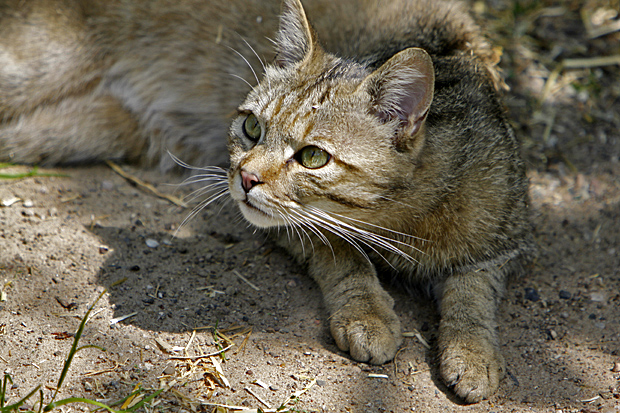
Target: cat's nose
248,181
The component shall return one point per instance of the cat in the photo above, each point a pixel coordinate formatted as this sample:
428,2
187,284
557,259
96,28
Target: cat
394,154
375,138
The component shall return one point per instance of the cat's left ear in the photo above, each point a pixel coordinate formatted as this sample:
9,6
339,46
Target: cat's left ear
295,38
402,89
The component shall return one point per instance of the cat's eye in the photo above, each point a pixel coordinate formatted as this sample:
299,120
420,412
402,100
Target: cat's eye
312,157
252,128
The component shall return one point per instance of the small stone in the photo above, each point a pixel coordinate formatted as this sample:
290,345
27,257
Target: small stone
28,203
134,268
531,294
597,297
107,185
552,334
151,243
320,383
103,249
7,202
565,295
616,368
169,370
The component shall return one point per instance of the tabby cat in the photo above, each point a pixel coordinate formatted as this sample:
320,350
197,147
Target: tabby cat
375,138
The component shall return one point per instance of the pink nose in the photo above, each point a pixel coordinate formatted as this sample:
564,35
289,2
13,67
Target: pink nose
248,180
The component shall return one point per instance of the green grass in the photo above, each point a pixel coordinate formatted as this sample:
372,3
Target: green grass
47,406
32,172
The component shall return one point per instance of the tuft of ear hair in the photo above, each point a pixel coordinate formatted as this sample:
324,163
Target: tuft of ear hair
402,89
295,39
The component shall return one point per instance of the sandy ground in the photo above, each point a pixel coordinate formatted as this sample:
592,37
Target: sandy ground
67,239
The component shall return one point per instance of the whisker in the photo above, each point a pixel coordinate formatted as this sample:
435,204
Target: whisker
372,234
200,207
346,235
242,79
262,63
367,238
192,196
248,63
192,167
380,228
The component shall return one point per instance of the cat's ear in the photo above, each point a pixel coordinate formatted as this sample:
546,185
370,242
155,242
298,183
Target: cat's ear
402,89
295,38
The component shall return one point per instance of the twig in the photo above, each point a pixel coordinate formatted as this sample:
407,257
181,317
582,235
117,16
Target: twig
417,335
146,185
246,280
258,397
202,355
587,63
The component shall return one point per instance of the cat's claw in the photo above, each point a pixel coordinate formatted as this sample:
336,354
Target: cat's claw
372,338
473,370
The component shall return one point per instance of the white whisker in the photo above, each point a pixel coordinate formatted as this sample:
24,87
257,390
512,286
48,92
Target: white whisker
249,65
262,63
351,234
200,207
243,80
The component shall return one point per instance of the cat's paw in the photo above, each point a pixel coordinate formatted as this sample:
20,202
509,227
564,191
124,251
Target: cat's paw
369,336
473,367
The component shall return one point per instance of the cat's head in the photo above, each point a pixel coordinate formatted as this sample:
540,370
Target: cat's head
324,136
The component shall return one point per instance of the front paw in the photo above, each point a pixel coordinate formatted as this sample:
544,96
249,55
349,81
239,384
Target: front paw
371,335
472,366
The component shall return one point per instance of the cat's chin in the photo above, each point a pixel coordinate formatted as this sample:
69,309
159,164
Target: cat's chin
259,218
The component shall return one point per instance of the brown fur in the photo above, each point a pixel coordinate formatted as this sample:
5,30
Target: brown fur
417,171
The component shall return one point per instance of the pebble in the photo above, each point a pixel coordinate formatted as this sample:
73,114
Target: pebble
616,368
597,297
107,185
552,334
565,295
169,370
151,243
7,202
28,203
531,294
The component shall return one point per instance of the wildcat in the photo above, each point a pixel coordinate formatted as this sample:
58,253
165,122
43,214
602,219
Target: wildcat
375,139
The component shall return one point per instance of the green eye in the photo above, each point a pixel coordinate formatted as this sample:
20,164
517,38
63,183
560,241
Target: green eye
312,157
251,127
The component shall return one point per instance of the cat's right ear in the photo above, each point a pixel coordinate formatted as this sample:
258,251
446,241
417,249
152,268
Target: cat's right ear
295,38
402,89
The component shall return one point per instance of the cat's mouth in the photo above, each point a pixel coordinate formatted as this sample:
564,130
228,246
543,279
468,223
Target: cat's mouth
258,216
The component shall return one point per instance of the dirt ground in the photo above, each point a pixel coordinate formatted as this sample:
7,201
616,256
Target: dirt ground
64,240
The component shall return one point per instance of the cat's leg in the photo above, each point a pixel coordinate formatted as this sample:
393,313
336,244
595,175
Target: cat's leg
468,346
361,315
73,130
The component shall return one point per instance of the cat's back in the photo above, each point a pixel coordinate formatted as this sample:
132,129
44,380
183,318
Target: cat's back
377,29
